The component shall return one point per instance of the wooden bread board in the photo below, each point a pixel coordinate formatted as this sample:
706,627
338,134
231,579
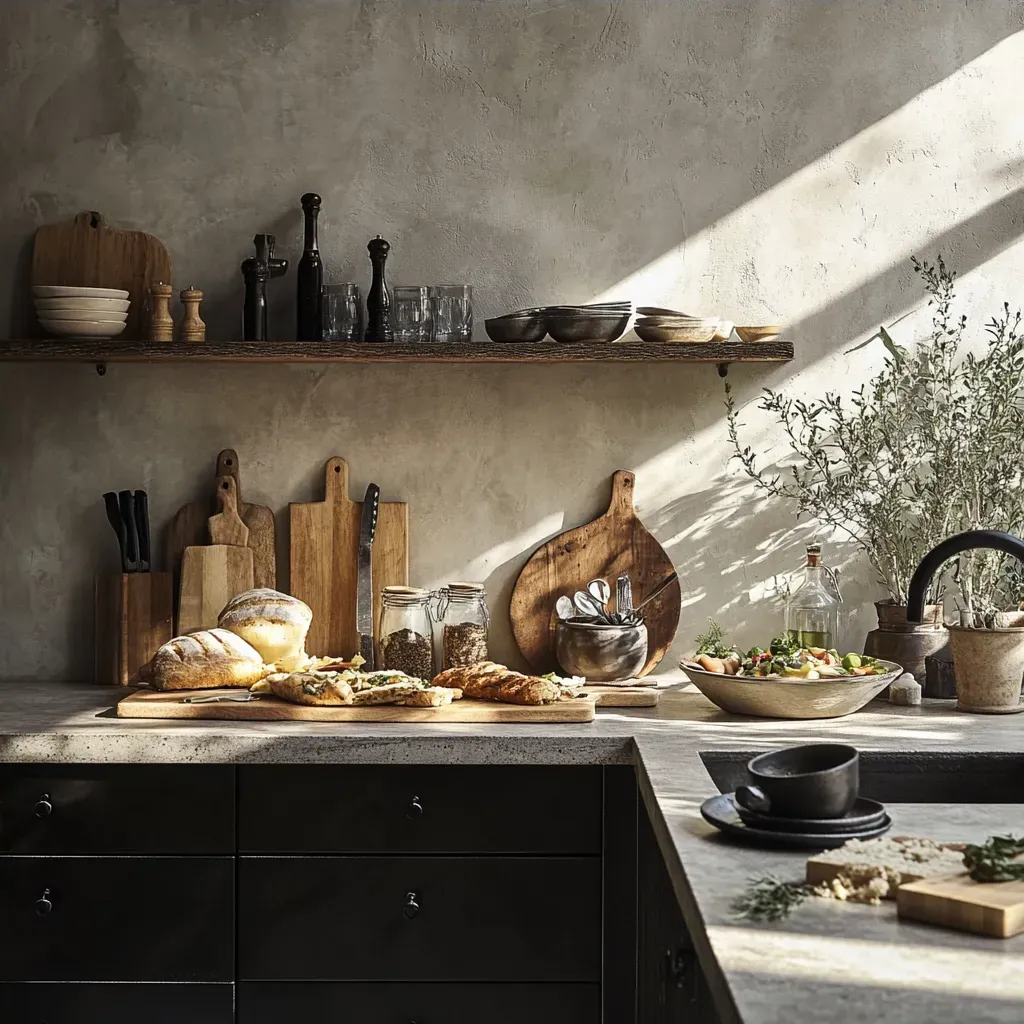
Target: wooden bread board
85,253
624,696
324,551
958,902
614,543
156,704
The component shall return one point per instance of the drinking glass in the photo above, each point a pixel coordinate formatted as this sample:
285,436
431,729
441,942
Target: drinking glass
412,317
453,312
342,313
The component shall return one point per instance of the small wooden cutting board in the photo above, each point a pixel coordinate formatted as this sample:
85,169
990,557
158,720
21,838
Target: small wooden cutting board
614,543
210,576
84,252
624,696
323,557
959,902
153,704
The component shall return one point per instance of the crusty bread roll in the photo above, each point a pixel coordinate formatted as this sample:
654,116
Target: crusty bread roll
204,660
275,624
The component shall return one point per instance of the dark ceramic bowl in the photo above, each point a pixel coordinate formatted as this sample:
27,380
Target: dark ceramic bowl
813,780
602,654
517,328
587,327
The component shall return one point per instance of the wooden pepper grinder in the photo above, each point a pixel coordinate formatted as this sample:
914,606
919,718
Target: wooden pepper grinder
378,299
191,328
161,326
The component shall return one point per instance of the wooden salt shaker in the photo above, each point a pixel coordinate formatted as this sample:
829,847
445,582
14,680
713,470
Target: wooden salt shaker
161,326
191,328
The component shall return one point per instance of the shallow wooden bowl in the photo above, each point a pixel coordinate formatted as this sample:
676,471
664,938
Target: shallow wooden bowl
763,333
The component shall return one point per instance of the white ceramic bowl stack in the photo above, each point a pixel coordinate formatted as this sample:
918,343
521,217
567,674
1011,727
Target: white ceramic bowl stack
656,324
71,312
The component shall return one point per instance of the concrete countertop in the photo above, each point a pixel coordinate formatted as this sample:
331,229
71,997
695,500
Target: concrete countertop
828,962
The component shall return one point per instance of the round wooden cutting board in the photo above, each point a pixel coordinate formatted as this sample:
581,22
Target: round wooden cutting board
615,543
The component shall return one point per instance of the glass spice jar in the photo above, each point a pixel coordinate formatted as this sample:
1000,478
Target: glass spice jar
406,632
462,610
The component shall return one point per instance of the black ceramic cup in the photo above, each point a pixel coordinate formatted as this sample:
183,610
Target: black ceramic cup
814,780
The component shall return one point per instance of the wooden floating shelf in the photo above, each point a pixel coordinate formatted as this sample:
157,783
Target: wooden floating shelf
114,351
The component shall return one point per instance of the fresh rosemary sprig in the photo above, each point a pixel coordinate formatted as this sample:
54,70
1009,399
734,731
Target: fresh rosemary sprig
995,860
769,899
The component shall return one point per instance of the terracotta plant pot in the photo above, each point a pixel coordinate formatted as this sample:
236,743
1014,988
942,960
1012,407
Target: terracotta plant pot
908,644
989,666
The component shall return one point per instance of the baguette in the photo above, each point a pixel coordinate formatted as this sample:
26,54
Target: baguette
489,681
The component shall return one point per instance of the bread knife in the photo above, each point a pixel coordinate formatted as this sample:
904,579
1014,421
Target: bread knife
364,575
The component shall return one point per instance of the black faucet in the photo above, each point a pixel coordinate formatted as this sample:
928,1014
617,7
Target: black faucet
944,551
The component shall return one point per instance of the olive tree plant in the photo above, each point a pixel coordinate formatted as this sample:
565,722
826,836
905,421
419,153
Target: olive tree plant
931,446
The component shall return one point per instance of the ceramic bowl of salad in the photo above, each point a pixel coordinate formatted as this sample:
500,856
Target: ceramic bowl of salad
788,681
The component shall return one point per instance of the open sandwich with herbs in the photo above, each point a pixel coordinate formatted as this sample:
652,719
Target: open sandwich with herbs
784,658
344,683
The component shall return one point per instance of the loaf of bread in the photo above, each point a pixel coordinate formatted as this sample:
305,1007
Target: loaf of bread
488,681
275,624
204,660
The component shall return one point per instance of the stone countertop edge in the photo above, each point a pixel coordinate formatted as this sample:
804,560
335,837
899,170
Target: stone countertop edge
758,974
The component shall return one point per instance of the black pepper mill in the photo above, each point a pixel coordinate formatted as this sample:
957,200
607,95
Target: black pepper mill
378,299
309,322
257,270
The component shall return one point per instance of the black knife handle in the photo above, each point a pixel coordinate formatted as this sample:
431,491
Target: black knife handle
142,529
373,496
127,506
115,520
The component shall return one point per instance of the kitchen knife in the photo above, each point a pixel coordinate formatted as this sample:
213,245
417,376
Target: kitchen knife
115,520
364,575
126,503
142,529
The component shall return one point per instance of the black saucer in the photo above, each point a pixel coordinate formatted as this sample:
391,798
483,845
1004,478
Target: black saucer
863,815
721,812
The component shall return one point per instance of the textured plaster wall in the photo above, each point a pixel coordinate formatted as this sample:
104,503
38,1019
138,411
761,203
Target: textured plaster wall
766,159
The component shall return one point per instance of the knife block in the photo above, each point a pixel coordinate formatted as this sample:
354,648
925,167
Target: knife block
134,618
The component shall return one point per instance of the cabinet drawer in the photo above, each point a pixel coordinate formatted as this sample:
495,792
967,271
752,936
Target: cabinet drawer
104,809
287,1002
419,918
116,919
97,1003
419,809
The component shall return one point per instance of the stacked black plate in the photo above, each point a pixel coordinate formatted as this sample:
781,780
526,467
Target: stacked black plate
599,322
866,820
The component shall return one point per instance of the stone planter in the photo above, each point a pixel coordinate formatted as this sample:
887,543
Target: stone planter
989,665
908,644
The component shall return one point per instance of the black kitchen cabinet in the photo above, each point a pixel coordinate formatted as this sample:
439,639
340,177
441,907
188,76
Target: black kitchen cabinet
117,809
290,1002
373,893
117,919
92,1003
493,809
420,918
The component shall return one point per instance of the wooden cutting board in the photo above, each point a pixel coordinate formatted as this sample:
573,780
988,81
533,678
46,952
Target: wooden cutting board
152,704
323,560
189,527
85,252
612,544
210,577
624,696
968,906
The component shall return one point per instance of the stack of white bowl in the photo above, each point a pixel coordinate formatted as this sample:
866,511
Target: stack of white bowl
657,324
71,312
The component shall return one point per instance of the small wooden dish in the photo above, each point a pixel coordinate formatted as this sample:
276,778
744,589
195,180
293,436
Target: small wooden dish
765,332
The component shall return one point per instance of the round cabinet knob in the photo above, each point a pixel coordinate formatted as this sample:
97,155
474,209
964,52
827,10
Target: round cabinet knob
412,906
43,807
415,808
44,905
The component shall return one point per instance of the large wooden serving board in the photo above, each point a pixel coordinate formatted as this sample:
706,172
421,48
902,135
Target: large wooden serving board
84,252
154,704
614,543
323,561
